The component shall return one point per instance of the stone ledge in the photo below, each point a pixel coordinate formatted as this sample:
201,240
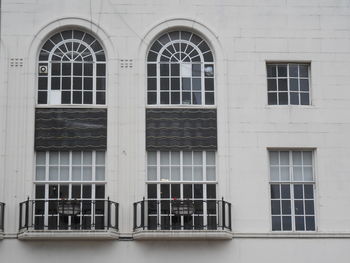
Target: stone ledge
182,235
68,235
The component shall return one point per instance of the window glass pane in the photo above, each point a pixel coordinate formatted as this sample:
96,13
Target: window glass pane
209,98
175,70
100,158
310,223
198,191
196,84
284,158
294,84
76,158
294,98
164,69
274,174
211,191
175,173
100,191
304,85
87,158
209,84
285,174
293,70
272,98
164,191
304,70
275,207
186,84
287,223
175,84
308,174
87,173
175,158
187,191
151,158
152,191
40,158
53,158
283,98
76,173
187,158
210,173
100,173
187,173
64,173
165,173
276,223
282,70
53,173
304,99
271,85
274,158
164,158
299,207
40,173
297,173
151,173
164,97
285,191
298,191
271,70
309,191
296,158
307,158
196,70
186,70
286,207
299,223
275,191
282,85
198,173
309,207
175,98
39,191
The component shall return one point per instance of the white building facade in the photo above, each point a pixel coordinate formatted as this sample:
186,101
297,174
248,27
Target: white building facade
144,131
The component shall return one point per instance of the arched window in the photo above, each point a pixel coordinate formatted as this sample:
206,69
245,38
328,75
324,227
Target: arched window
72,70
180,70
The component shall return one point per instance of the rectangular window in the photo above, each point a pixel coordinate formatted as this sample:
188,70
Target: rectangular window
292,187
288,84
175,179
69,190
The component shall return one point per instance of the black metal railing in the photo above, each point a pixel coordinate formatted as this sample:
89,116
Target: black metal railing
2,216
182,215
75,215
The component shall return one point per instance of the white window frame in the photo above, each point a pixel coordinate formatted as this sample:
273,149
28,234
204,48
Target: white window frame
291,183
70,182
288,78
159,182
53,97
204,74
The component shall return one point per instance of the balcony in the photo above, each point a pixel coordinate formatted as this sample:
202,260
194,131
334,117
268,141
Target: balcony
68,219
2,215
182,220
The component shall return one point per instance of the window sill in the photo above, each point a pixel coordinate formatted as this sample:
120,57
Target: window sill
69,235
182,235
61,106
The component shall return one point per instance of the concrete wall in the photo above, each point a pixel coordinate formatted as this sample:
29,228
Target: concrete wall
244,34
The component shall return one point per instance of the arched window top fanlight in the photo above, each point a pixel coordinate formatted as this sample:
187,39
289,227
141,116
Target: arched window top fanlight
180,70
72,70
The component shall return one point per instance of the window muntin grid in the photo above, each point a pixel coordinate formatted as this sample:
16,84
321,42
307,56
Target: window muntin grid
292,189
180,70
180,166
82,166
181,175
76,70
67,176
288,84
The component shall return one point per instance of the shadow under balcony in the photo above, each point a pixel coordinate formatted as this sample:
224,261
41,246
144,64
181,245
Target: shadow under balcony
2,216
182,220
68,219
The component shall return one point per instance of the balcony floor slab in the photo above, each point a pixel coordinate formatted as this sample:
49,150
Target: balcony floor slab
68,235
182,235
